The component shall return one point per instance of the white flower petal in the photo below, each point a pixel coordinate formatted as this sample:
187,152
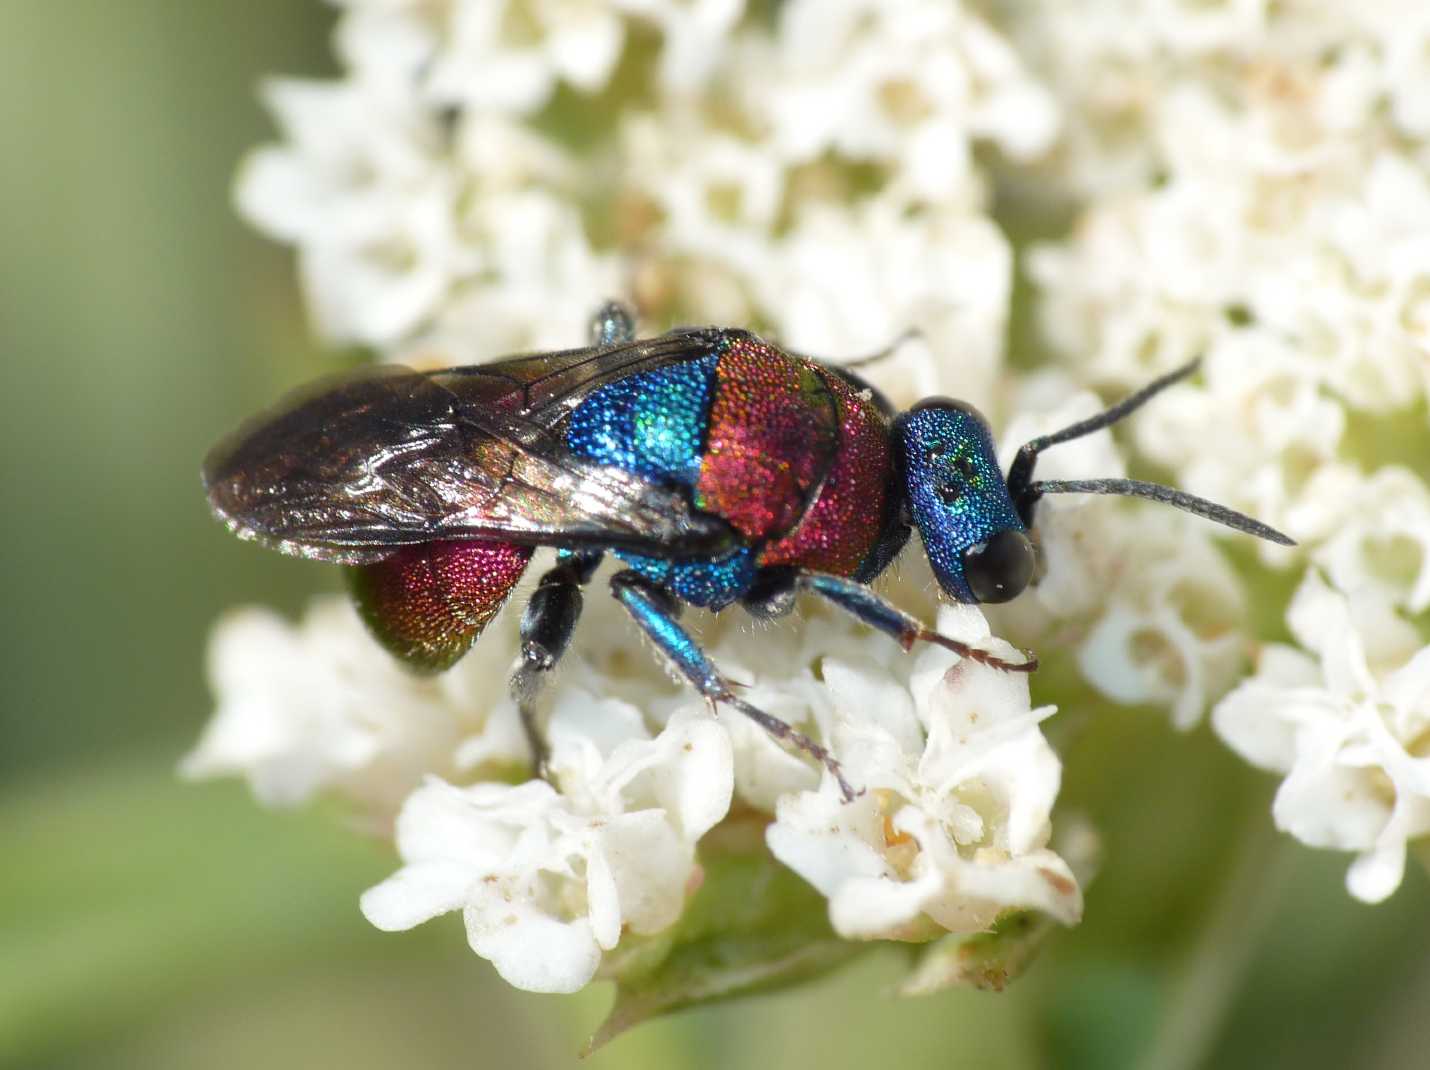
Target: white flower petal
650,865
1374,875
974,891
415,894
603,903
880,907
825,840
530,949
690,775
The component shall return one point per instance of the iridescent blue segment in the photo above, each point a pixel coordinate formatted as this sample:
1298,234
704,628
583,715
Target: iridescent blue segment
863,603
652,424
673,640
955,489
708,584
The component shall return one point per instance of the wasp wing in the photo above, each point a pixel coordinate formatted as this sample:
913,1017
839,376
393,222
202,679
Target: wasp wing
391,457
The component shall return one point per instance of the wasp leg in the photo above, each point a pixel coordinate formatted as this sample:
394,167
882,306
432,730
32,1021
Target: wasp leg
655,610
771,595
546,626
613,322
856,599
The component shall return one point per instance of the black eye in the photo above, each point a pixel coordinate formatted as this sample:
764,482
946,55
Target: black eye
999,569
966,466
948,493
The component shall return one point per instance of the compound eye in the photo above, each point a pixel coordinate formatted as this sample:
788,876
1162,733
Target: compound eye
998,570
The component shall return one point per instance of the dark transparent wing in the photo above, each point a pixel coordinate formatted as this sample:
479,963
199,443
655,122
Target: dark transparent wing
544,387
391,457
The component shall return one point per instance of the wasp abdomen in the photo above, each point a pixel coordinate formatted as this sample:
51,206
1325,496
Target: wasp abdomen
427,604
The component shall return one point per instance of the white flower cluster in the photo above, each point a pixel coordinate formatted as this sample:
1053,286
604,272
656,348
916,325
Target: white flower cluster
547,880
1279,227
310,708
1251,183
1256,180
950,832
434,211
1347,724
953,824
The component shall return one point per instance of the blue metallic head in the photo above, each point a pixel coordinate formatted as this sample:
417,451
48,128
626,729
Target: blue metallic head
975,539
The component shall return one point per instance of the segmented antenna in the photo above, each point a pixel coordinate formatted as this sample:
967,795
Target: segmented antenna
1136,488
1025,491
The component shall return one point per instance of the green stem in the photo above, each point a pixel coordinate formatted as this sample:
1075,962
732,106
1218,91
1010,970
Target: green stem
1211,974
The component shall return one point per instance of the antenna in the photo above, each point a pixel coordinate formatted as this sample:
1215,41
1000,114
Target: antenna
1025,491
1136,488
888,351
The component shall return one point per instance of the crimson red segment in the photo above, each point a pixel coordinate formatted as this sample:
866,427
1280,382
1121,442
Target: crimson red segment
770,439
844,522
427,604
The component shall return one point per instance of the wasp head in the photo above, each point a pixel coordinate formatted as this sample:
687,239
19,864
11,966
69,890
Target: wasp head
971,529
976,525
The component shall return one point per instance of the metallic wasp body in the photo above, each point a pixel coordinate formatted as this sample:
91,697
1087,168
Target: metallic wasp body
717,467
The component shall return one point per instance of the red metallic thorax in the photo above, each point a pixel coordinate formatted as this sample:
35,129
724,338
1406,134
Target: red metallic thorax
846,518
796,456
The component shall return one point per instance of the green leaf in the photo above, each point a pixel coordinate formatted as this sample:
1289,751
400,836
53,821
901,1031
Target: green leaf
1420,851
125,887
752,926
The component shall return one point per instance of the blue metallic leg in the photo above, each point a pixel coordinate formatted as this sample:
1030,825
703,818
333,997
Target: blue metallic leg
612,323
855,598
655,610
546,626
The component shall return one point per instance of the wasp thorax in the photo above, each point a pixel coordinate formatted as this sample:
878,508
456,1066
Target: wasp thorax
958,500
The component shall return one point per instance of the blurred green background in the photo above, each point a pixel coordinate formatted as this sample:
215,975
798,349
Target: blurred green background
147,923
